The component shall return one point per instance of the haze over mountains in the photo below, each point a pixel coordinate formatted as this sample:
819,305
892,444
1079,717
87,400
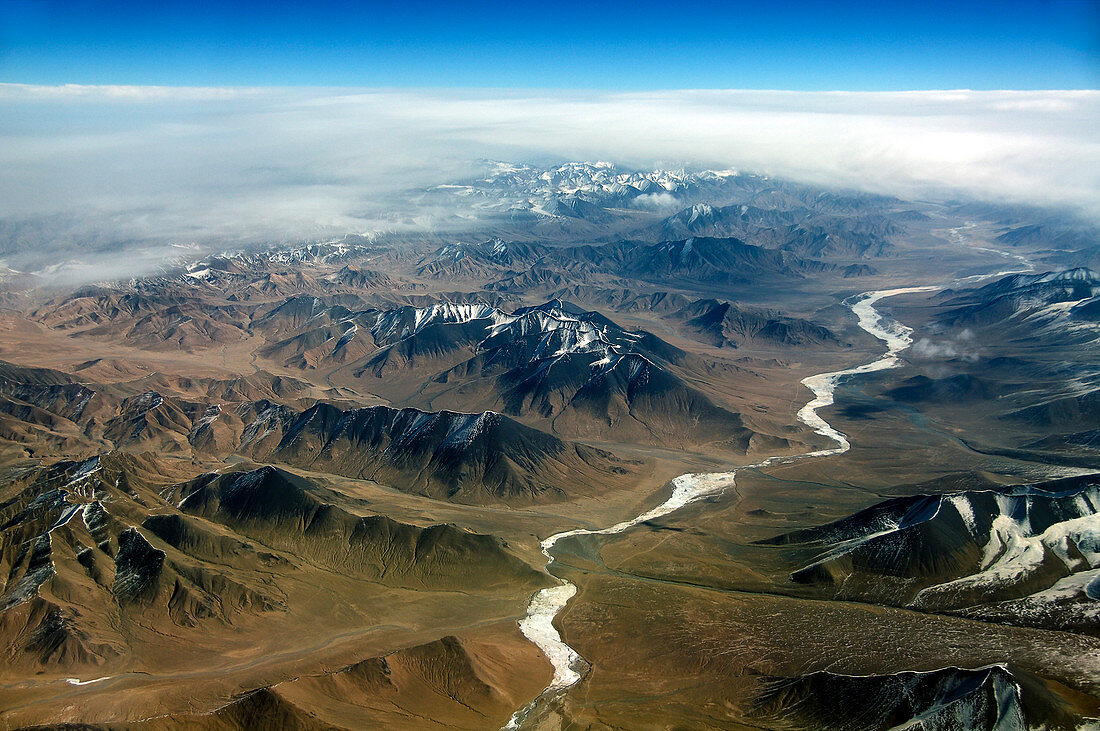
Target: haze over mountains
285,165
310,485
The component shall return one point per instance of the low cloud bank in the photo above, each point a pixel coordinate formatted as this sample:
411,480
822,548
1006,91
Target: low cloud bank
94,170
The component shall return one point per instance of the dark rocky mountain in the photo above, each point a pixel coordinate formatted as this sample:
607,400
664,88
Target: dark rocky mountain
726,324
1025,554
956,389
1063,301
477,458
281,511
800,231
478,260
714,261
355,278
556,362
1040,235
533,279
994,697
558,366
696,259
575,206
468,457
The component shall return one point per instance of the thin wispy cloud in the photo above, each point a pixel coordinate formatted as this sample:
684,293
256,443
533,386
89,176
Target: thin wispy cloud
89,169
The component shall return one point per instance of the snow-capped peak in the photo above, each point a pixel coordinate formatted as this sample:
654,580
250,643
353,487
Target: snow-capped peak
549,331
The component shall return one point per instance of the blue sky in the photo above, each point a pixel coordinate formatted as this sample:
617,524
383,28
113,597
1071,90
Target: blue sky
612,46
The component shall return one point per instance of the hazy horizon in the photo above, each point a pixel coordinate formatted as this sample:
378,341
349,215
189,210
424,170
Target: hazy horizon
105,167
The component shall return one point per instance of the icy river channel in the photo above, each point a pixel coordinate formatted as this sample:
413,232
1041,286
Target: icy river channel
538,625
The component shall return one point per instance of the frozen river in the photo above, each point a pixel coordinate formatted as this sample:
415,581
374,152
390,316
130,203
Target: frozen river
538,625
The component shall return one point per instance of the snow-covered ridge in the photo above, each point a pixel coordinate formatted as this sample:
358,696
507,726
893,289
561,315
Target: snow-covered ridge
210,268
1019,554
1023,531
395,325
559,330
407,428
519,187
67,501
1057,303
1044,288
933,700
462,428
452,253
583,177
1018,528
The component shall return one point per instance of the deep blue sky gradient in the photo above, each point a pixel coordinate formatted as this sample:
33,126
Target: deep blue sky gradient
578,45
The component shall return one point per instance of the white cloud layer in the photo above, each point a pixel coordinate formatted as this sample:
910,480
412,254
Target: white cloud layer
93,166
